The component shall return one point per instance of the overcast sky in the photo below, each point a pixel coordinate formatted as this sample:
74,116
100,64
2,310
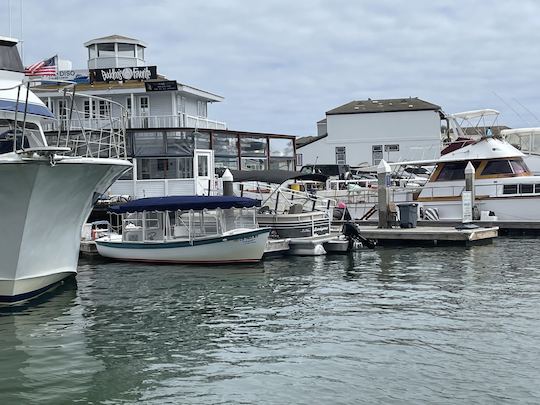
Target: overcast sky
281,64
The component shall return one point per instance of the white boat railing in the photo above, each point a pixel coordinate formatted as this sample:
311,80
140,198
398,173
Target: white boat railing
105,137
108,141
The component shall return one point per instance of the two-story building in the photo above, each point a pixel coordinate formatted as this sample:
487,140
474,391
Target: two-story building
170,139
367,131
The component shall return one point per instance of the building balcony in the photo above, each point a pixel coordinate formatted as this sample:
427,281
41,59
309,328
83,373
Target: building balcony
174,121
134,122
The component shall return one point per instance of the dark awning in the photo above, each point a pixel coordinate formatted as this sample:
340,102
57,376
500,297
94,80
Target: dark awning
274,176
173,203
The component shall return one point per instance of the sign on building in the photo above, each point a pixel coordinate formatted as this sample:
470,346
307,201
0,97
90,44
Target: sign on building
164,85
123,74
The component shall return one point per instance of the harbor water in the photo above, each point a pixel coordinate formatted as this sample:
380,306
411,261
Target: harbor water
416,325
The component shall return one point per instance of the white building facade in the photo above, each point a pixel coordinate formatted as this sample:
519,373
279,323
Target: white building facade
117,70
173,145
367,131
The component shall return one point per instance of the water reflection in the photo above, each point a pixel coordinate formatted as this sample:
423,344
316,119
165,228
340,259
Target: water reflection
43,349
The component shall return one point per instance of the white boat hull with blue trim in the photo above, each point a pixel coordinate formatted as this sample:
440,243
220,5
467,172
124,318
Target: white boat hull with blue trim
45,197
42,216
236,246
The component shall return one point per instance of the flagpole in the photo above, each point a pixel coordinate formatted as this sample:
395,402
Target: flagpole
9,16
22,36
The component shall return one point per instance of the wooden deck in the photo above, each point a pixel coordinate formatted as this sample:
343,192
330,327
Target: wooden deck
426,235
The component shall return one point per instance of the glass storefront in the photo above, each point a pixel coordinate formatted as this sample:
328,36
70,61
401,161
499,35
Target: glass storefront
168,154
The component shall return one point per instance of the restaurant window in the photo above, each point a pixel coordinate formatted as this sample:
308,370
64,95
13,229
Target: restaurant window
170,168
105,50
179,143
202,140
149,144
227,162
253,164
281,147
253,146
225,145
126,50
281,164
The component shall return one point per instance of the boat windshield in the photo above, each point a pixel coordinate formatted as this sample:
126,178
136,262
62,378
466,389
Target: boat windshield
155,226
31,137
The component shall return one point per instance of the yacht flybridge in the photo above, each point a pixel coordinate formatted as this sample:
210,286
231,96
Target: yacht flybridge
47,190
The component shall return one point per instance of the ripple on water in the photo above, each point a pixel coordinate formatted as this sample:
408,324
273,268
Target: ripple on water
438,325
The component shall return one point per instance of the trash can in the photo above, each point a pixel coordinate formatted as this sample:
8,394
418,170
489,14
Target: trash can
408,215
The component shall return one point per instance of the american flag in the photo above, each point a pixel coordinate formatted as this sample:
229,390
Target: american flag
45,67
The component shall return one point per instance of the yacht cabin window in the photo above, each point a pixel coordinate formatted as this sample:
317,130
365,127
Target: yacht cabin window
505,167
454,171
497,167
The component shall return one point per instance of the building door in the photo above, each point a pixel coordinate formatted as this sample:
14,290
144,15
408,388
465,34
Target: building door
144,110
376,154
203,171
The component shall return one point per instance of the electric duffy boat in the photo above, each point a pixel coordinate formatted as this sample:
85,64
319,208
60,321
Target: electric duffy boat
187,229
46,195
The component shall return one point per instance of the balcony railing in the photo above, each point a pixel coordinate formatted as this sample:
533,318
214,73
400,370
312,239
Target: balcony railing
174,121
151,121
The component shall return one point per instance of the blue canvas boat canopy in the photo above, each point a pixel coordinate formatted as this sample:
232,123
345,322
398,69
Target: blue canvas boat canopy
174,203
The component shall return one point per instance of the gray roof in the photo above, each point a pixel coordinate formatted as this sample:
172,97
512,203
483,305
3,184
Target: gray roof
306,140
388,105
114,38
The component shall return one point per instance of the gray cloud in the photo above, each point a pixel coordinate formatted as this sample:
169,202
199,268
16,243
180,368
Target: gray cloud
282,64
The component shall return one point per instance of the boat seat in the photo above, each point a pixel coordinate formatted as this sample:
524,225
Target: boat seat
296,209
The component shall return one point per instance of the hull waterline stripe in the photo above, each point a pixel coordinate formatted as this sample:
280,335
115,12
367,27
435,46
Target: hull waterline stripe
31,294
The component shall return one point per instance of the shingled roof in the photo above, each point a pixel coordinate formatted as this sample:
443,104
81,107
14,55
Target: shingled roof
388,105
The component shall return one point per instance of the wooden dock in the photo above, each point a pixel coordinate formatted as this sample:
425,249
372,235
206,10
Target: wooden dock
425,235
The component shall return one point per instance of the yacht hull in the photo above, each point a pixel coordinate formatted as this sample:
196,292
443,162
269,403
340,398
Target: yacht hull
43,208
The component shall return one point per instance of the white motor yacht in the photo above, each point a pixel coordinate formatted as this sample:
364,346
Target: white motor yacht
47,194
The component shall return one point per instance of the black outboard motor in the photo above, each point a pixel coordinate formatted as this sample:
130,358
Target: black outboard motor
352,232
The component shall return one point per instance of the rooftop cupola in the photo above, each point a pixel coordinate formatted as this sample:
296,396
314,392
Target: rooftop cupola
115,51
